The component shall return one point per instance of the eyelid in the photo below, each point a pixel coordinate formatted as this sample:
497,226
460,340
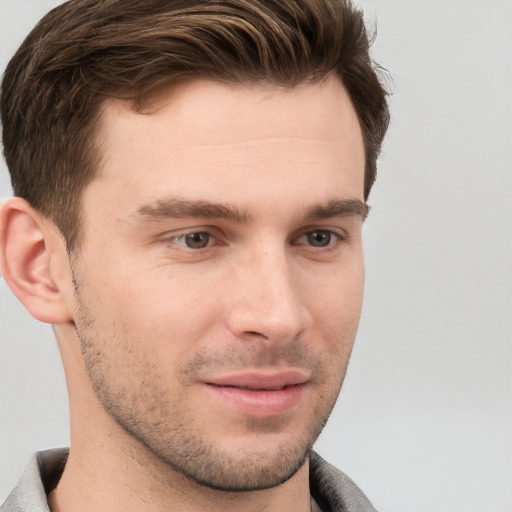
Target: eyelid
340,234
171,238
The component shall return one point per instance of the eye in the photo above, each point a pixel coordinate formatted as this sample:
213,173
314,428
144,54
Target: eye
318,238
198,240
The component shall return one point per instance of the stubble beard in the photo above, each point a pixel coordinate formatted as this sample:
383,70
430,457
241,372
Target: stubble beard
141,408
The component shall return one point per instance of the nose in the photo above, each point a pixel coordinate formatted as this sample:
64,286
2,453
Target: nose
268,300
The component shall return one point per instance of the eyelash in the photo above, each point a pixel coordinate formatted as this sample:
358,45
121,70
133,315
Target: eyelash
183,237
335,238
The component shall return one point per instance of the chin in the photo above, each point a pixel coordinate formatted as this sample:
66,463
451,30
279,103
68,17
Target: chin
245,472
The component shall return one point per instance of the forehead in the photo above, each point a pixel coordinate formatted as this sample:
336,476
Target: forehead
199,107
206,138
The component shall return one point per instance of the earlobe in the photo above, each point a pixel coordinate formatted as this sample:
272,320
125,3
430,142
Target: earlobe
27,246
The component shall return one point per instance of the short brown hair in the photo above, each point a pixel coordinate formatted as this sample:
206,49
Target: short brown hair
86,51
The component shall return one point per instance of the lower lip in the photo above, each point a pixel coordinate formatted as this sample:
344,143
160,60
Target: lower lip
260,403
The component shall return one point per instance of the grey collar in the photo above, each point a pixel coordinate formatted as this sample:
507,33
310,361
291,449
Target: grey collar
331,489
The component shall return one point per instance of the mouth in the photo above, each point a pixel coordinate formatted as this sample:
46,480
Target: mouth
259,394
258,388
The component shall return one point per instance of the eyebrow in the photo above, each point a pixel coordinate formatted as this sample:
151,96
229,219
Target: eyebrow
179,208
337,208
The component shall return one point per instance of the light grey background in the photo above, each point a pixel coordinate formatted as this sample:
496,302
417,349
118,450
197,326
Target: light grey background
424,423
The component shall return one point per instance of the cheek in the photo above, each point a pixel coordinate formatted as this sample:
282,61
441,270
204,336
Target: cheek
171,314
336,308
337,292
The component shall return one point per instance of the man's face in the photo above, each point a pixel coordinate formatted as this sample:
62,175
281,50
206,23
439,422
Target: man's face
220,277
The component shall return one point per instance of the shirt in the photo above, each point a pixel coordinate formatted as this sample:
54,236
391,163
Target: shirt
331,490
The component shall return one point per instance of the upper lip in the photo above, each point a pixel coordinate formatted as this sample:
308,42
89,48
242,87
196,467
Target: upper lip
261,380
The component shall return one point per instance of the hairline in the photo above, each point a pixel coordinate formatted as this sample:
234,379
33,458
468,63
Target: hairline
142,105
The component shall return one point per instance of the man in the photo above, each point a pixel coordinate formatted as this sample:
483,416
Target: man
190,185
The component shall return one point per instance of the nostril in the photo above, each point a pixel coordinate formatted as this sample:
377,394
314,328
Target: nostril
255,334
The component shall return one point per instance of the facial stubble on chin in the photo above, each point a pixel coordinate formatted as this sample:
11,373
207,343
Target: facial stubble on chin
143,411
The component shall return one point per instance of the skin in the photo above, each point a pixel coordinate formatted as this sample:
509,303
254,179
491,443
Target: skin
222,237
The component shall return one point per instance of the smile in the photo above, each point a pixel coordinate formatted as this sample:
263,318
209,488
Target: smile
260,395
258,389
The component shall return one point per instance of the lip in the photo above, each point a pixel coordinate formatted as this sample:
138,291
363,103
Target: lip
260,394
258,380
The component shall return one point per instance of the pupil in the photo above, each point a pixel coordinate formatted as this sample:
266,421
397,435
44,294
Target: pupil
320,238
197,240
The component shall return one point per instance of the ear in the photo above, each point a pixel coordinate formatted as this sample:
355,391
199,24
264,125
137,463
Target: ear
32,257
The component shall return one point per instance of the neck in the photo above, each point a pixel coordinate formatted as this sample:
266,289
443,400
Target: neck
100,477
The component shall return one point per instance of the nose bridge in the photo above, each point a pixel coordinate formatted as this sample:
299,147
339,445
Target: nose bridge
268,302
